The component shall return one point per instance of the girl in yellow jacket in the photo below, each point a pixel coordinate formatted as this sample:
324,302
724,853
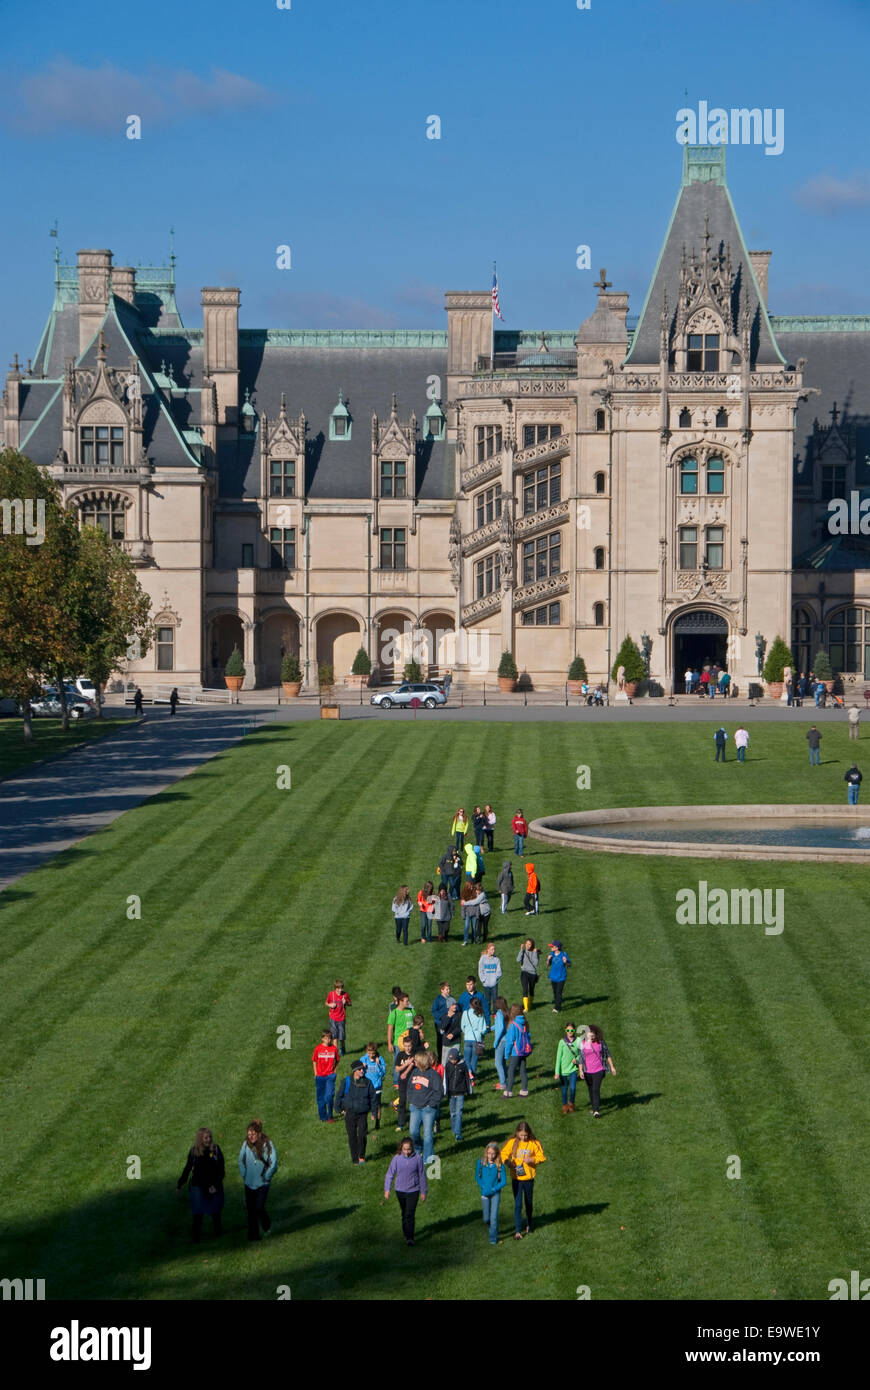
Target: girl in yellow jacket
458,829
522,1155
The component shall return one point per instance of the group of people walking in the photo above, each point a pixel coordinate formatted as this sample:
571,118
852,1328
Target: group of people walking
708,680
204,1174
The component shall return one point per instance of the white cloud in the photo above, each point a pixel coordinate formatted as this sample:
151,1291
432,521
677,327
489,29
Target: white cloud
826,193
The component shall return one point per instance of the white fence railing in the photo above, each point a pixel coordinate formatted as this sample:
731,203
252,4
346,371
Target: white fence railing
187,695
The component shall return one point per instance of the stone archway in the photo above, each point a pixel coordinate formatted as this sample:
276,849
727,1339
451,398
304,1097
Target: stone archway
394,643
279,637
435,641
225,632
338,638
698,637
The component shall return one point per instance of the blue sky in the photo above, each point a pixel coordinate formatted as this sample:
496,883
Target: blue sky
263,127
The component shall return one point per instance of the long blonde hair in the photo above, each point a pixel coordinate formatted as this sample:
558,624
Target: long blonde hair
492,1148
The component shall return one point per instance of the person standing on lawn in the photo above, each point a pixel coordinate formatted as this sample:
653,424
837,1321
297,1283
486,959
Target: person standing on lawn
356,1102
458,828
505,885
399,1020
457,1085
442,913
478,821
376,1070
500,1023
440,1004
533,889
594,1060
854,717
452,1033
474,1027
520,828
402,913
557,970
325,1060
409,1173
470,900
485,914
491,1177
426,904
741,743
527,959
424,1095
489,974
338,1003
853,779
472,992
567,1065
205,1168
720,738
402,1075
258,1163
517,1047
523,1155
814,740
470,862
489,813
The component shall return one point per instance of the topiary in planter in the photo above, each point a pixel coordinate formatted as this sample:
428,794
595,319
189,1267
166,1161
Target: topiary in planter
291,672
413,672
235,665
507,667
577,669
362,663
778,658
631,660
326,676
822,667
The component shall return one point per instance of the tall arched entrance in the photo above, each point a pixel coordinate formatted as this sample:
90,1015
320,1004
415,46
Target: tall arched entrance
279,637
437,643
699,638
339,638
225,633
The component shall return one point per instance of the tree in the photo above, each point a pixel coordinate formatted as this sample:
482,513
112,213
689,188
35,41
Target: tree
35,636
630,658
577,669
235,665
778,658
507,667
108,607
362,664
413,671
822,666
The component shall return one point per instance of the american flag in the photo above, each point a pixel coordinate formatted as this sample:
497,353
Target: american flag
495,309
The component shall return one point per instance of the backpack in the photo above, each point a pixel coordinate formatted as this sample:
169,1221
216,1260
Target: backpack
523,1043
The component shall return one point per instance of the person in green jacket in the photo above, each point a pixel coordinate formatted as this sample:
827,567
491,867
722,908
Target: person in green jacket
458,829
471,865
567,1055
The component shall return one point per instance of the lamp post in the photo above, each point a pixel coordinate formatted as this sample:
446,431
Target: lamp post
760,648
646,650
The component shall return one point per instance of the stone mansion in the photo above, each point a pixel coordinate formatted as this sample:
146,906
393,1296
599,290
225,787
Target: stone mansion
453,496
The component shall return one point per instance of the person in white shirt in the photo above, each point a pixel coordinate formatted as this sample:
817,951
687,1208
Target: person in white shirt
741,743
688,680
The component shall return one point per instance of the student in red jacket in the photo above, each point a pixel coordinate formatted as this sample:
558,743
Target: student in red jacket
520,827
338,1003
426,904
324,1059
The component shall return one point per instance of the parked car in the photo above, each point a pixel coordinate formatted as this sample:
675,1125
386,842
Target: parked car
77,706
85,686
8,706
45,707
429,694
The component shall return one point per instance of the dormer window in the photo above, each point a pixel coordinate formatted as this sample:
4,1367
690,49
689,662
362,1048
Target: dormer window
248,415
102,446
702,352
340,421
435,422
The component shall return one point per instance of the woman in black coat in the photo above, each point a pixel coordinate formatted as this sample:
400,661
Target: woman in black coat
205,1169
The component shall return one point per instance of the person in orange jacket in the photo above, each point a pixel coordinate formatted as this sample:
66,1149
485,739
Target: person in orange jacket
426,904
533,888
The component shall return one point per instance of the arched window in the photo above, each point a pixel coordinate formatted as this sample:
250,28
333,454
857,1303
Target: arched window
688,477
848,641
802,639
598,614
108,511
599,557
715,475
685,419
599,419
600,481
721,418
165,646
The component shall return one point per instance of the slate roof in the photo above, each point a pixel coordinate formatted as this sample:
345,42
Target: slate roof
838,364
703,194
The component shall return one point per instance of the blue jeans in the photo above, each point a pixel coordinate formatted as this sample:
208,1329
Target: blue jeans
741,753
424,1116
425,926
456,1105
452,882
459,840
518,845
490,993
569,1088
854,788
814,756
490,1215
469,1052
402,927
469,929
324,1087
499,1060
524,1191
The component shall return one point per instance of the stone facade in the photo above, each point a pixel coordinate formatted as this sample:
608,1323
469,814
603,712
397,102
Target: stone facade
311,492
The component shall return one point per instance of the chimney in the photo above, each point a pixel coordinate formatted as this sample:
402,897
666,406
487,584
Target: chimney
469,329
124,282
220,321
760,261
95,268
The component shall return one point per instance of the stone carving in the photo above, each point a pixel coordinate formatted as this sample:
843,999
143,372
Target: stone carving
506,546
481,537
102,413
620,678
479,472
538,453
490,603
539,521
454,551
542,588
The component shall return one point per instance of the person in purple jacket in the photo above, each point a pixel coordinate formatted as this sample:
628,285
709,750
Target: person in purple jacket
411,1185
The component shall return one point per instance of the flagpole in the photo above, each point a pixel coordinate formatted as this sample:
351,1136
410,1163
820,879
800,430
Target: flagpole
492,317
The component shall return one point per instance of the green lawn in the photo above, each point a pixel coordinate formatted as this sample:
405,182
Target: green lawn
122,1036
48,740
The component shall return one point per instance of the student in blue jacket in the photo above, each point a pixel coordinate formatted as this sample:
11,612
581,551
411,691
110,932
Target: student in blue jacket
258,1163
557,970
491,1178
375,1070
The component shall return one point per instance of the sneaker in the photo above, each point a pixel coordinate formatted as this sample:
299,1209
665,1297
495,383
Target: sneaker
564,1110
595,1115
498,1086
524,1093
507,1095
330,1121
518,1235
409,1242
398,1129
360,1160
530,914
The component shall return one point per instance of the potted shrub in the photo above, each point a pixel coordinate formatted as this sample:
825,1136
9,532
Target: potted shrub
326,679
361,670
822,668
778,658
631,661
291,676
413,672
576,676
234,671
507,672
